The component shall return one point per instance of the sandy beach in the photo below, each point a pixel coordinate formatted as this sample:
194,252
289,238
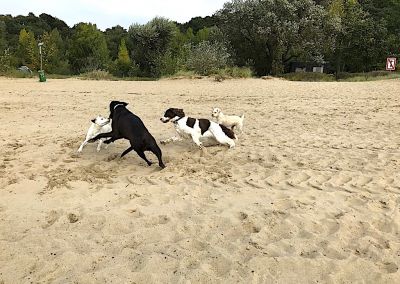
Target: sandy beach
310,194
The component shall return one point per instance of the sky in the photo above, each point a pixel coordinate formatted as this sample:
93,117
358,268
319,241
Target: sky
109,13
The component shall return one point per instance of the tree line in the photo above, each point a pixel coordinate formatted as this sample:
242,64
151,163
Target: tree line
263,35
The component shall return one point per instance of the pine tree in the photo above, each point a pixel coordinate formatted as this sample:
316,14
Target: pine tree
123,55
123,62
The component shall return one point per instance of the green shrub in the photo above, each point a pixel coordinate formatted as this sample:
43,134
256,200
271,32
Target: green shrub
309,77
343,76
57,76
5,62
207,58
375,77
13,73
183,74
235,72
366,76
97,75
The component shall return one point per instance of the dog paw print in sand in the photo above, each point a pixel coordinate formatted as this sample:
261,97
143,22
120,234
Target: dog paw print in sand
51,218
313,253
61,177
72,217
156,220
248,225
111,157
136,213
70,143
389,267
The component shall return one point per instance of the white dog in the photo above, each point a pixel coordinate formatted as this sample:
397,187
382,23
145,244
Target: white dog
230,121
197,129
99,125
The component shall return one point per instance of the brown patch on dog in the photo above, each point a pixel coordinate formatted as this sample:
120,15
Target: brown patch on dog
204,125
228,132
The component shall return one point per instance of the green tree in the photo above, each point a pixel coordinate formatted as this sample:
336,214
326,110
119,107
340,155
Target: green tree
268,34
198,23
189,35
203,34
28,52
88,49
123,64
387,11
3,38
357,40
150,44
206,58
54,57
113,38
55,23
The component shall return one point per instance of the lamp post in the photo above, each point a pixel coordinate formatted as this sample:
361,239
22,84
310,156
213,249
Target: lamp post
42,77
41,56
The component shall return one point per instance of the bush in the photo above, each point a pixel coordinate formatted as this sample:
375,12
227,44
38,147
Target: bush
184,74
97,75
309,77
60,68
13,73
206,58
371,77
366,75
235,72
168,64
5,62
122,70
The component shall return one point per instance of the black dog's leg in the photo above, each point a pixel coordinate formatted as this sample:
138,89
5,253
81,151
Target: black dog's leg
157,151
126,151
102,135
111,140
143,156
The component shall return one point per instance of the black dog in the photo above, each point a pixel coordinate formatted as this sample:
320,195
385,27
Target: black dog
129,126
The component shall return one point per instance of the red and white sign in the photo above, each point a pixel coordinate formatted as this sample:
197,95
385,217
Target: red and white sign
391,63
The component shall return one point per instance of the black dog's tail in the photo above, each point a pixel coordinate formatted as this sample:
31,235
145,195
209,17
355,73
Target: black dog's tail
228,132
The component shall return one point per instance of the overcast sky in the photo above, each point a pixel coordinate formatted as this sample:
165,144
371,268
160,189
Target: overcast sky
109,13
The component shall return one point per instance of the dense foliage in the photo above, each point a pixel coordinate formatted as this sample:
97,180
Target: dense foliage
266,36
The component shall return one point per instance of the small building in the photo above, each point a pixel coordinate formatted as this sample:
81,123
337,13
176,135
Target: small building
297,66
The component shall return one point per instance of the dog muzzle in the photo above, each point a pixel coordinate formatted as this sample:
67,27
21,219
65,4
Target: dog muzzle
105,123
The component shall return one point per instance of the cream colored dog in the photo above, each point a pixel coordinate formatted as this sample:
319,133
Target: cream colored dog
231,121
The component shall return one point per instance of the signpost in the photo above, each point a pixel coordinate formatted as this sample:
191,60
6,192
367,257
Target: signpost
391,63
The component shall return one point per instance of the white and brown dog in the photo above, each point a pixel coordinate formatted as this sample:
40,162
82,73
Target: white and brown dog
197,129
231,121
99,125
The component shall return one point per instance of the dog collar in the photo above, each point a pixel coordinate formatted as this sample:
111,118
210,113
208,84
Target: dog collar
117,106
176,121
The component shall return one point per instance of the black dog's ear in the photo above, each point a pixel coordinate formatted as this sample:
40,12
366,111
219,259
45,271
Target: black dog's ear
124,103
93,120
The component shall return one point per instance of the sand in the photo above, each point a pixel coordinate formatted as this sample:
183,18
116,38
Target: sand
311,193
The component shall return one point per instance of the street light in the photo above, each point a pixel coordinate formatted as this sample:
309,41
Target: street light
41,57
42,77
